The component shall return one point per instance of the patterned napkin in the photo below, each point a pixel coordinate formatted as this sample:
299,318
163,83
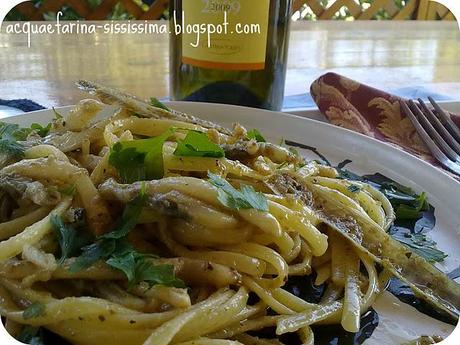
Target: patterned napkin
375,113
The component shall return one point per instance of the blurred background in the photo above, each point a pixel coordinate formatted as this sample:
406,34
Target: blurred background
303,10
356,38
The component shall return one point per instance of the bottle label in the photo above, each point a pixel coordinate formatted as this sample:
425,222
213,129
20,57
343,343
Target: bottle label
225,34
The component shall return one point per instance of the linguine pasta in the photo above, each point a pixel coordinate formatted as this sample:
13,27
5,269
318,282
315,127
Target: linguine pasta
210,232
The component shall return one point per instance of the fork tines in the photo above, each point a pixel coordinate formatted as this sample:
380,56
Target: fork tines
437,130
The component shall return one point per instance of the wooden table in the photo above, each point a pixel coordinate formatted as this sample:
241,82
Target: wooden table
385,54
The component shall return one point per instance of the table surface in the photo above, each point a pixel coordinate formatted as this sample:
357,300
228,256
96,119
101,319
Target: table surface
385,54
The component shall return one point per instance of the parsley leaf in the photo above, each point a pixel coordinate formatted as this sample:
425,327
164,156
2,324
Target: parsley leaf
129,218
413,210
408,205
157,274
255,199
12,149
10,134
128,162
113,248
70,240
137,269
154,157
41,131
410,210
256,135
156,103
34,310
138,160
126,263
112,242
197,144
120,255
12,131
421,245
397,194
92,253
397,188
247,198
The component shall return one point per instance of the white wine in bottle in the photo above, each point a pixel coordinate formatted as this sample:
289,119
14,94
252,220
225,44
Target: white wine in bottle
230,51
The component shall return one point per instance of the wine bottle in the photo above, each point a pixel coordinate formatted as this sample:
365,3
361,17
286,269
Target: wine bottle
229,51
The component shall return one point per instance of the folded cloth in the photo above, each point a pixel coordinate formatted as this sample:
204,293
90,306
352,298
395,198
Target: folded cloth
375,113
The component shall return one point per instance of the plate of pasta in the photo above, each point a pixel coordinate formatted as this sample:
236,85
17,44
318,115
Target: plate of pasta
126,221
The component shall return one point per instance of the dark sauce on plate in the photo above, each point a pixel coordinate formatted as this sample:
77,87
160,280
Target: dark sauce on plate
304,287
424,224
336,335
329,334
399,289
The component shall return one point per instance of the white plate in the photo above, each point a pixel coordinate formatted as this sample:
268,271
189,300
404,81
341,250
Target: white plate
9,111
398,321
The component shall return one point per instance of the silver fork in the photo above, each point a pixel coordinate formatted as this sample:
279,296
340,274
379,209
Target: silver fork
437,130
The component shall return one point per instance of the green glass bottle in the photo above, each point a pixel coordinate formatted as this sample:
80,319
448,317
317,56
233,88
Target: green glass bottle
229,51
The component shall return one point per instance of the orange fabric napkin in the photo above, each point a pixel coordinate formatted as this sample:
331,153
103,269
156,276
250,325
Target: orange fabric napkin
375,113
